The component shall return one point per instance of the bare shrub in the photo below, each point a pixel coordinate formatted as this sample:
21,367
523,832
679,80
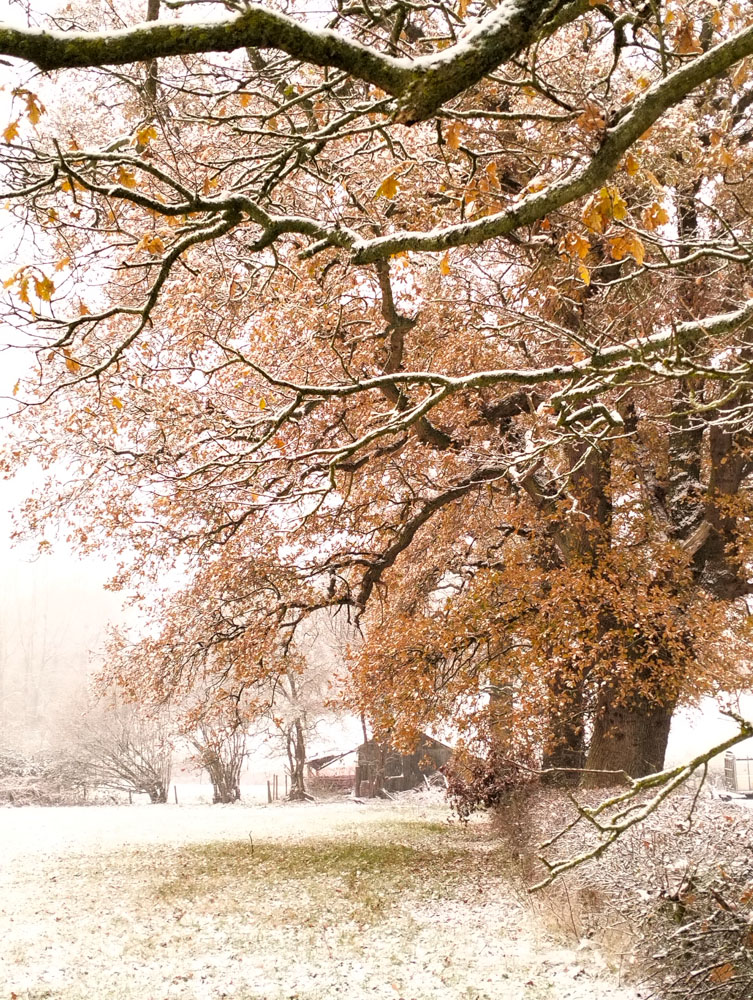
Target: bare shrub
122,748
37,779
673,898
698,938
220,749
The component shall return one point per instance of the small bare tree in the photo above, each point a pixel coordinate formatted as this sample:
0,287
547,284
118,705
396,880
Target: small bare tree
293,726
220,748
123,748
303,695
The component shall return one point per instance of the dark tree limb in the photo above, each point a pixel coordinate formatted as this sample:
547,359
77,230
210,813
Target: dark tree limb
423,84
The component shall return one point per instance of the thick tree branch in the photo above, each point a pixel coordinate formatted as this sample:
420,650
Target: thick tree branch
408,530
638,354
463,64
258,28
423,84
644,111
398,326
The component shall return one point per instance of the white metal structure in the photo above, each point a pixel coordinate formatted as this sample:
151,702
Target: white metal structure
738,774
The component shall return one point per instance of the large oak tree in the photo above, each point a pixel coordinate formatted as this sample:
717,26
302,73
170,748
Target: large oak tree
437,313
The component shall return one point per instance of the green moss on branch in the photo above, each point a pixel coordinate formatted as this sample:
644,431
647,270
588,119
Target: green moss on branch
423,85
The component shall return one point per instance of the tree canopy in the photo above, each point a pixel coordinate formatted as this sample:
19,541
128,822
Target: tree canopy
436,313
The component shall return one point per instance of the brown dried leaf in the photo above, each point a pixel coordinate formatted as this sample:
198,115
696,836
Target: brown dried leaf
145,135
126,177
44,287
722,973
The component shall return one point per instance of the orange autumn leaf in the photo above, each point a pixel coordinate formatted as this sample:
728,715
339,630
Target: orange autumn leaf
574,245
152,243
145,135
70,363
44,287
631,165
722,973
10,132
604,206
655,215
453,135
126,177
388,188
625,245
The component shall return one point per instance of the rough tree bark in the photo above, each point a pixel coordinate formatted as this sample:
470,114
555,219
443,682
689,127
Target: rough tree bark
633,736
630,738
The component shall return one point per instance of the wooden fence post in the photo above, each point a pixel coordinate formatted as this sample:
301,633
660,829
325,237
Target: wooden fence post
269,791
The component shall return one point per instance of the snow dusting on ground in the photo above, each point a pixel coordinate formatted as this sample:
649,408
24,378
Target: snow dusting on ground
386,901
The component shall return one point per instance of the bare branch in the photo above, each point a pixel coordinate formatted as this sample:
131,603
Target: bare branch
626,809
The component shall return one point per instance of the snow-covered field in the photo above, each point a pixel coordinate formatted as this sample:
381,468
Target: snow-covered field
385,901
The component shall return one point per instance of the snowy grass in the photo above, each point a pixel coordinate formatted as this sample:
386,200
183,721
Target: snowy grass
294,902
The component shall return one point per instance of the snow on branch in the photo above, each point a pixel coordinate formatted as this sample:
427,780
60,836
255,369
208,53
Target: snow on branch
636,120
612,817
423,84
636,353
50,50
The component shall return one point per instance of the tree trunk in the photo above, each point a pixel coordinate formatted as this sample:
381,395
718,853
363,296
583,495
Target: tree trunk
158,794
297,762
225,784
564,753
630,738
571,540
380,775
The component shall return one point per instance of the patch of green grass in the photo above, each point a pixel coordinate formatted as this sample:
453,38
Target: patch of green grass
210,867
352,876
417,827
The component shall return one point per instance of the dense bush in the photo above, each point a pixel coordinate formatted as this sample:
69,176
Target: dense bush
37,779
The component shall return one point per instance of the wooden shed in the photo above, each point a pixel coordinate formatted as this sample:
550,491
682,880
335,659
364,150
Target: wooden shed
335,772
374,768
379,768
